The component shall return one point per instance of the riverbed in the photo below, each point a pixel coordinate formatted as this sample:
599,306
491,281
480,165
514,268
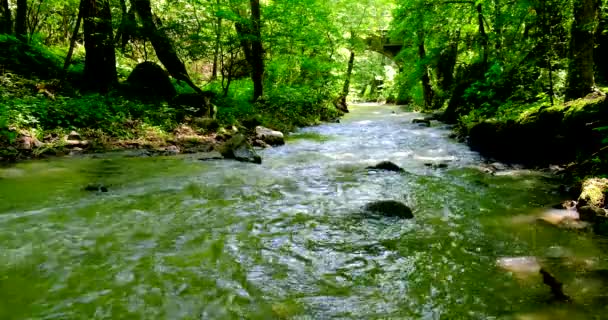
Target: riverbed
180,238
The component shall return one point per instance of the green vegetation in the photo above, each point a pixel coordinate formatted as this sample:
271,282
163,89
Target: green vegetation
286,64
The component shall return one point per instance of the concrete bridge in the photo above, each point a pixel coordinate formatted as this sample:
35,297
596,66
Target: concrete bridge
383,44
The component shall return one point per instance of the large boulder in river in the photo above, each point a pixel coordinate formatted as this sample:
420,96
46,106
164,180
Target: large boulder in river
389,208
386,165
239,149
269,136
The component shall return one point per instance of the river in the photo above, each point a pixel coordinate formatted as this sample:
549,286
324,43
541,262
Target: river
180,238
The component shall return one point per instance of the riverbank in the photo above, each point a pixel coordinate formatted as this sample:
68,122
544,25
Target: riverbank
569,138
45,112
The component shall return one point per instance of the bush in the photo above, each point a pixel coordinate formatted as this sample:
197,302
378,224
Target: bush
30,60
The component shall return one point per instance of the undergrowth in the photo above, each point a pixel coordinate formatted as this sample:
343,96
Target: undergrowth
36,101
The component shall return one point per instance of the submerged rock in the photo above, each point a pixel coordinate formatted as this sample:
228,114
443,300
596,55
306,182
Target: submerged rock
239,149
97,187
591,213
521,267
422,122
558,216
208,156
269,136
386,165
389,208
436,165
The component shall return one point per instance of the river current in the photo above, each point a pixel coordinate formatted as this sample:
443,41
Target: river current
180,238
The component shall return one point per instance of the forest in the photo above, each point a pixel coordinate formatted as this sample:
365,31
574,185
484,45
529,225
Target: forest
396,159
127,70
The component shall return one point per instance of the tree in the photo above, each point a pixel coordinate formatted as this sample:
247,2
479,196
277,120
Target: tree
581,80
100,61
21,19
162,44
6,22
250,37
68,57
257,51
427,89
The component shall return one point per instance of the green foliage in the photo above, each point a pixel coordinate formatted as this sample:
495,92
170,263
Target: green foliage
285,108
109,113
32,60
482,94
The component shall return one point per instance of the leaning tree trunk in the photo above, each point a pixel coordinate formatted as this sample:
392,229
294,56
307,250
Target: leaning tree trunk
342,105
100,61
6,21
427,89
162,44
21,20
68,57
580,80
257,52
447,63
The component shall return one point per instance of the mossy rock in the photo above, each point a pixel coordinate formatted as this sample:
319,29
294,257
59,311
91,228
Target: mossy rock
593,193
149,80
206,124
239,149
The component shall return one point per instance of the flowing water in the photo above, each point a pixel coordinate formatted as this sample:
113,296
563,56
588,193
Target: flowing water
179,238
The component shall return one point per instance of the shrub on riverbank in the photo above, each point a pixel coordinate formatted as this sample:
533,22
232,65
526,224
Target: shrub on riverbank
37,104
540,134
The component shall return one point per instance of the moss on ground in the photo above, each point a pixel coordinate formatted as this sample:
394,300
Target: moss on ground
594,192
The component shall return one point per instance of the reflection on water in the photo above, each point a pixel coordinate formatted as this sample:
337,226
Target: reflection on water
176,238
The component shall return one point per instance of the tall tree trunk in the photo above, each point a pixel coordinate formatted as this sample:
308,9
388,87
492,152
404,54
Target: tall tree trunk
346,89
68,57
601,47
6,21
244,33
447,63
100,60
580,80
216,50
21,20
484,37
123,35
427,89
257,51
162,44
